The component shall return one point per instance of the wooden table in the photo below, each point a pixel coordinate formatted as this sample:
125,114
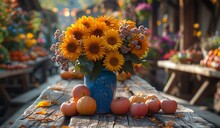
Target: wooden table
59,93
7,100
41,63
209,76
24,73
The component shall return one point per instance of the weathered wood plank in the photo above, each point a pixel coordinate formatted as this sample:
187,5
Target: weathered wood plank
105,120
6,73
141,122
121,121
30,118
196,69
183,119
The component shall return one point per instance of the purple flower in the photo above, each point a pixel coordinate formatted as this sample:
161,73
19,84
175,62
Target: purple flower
171,43
125,49
143,7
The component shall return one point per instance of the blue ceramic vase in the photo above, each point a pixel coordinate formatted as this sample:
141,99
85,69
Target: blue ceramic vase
102,89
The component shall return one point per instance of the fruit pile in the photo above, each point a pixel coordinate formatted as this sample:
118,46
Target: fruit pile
13,66
138,106
187,57
40,51
18,55
212,59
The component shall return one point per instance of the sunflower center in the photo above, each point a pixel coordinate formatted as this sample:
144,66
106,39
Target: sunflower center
94,48
98,32
107,22
86,24
71,47
114,61
78,35
112,41
139,44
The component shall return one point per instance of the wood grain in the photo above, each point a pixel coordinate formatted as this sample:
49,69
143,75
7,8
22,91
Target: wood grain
61,92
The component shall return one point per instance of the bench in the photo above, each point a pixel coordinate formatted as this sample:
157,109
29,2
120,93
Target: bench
34,93
61,92
179,80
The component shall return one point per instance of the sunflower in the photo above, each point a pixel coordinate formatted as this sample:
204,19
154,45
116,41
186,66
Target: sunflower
109,21
98,29
79,31
114,61
86,21
112,40
140,48
94,48
130,23
70,48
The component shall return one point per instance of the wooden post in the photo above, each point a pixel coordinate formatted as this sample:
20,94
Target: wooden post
153,18
186,23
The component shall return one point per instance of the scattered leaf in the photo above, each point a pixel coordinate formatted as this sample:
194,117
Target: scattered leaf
65,126
153,119
47,120
58,114
54,102
44,103
179,115
30,118
22,126
56,88
126,88
169,124
45,96
43,112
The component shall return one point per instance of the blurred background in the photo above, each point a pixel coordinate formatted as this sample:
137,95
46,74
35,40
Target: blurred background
184,32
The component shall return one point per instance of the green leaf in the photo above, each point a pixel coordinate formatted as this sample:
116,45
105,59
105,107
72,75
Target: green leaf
146,64
135,59
86,65
128,67
127,57
96,71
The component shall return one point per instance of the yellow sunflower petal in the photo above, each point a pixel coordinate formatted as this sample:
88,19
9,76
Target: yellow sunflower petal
141,48
113,61
130,23
109,21
86,21
70,48
112,40
98,29
94,48
79,31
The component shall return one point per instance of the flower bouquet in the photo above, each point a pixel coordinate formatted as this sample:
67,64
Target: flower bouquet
100,47
91,44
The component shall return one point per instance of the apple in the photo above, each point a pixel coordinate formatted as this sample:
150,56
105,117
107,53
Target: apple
79,91
153,105
168,106
68,108
120,105
138,109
